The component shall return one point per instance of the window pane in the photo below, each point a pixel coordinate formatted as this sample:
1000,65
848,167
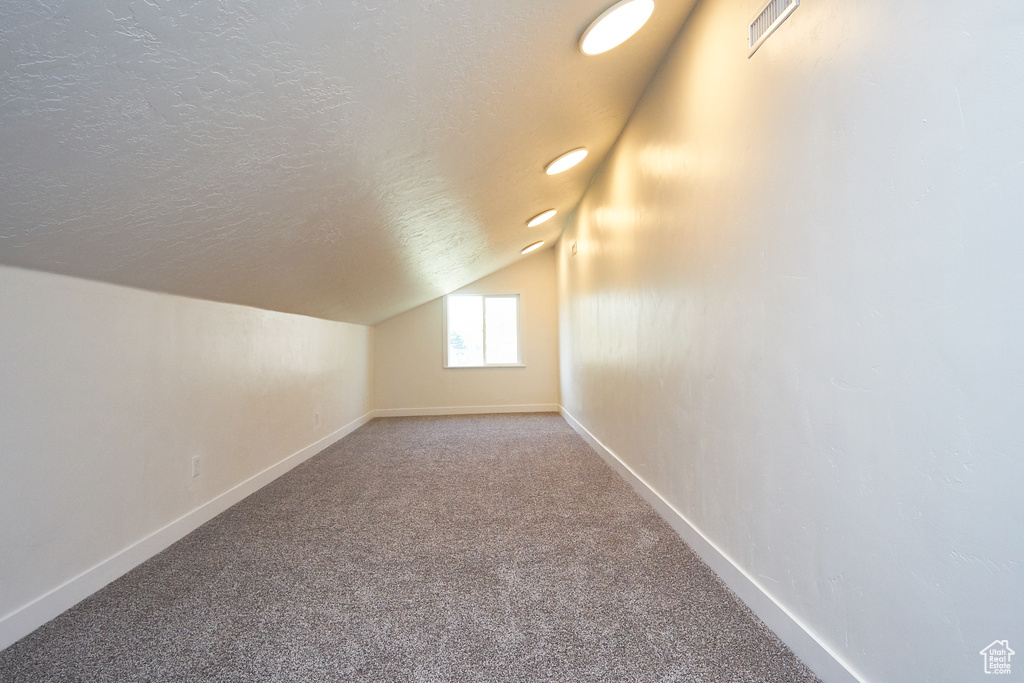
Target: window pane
465,330
502,336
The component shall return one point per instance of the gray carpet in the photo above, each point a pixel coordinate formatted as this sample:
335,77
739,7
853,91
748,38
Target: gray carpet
482,548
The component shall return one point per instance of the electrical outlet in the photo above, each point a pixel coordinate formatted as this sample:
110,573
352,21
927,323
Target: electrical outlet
316,419
195,466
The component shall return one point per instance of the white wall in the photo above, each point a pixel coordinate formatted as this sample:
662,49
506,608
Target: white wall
797,311
408,375
107,394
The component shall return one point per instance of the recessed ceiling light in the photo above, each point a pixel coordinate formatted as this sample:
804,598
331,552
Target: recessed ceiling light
540,218
533,247
615,25
566,161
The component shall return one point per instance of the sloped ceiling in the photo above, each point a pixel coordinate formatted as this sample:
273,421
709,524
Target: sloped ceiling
345,159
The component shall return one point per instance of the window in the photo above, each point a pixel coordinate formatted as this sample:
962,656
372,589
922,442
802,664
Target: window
481,330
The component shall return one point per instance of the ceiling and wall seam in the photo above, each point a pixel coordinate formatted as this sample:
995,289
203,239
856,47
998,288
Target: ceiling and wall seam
329,161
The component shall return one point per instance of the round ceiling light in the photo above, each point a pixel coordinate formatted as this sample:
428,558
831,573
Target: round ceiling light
566,161
533,247
615,25
541,217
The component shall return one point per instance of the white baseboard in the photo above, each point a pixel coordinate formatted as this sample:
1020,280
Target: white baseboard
466,410
25,619
821,659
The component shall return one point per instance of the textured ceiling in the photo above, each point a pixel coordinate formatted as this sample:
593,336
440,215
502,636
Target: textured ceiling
343,159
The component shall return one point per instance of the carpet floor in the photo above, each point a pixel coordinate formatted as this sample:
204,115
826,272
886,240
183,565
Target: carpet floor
477,548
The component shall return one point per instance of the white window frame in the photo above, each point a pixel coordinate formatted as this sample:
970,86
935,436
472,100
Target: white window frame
483,302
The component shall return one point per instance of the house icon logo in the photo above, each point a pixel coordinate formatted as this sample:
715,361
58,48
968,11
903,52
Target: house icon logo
997,657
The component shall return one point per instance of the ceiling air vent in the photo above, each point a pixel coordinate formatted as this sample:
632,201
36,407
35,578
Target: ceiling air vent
769,19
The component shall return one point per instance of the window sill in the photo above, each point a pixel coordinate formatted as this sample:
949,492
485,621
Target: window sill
483,367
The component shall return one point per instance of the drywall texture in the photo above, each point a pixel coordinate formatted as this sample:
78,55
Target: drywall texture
796,310
347,160
408,350
109,392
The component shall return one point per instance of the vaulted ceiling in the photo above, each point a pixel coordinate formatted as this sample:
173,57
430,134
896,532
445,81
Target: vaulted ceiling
345,159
